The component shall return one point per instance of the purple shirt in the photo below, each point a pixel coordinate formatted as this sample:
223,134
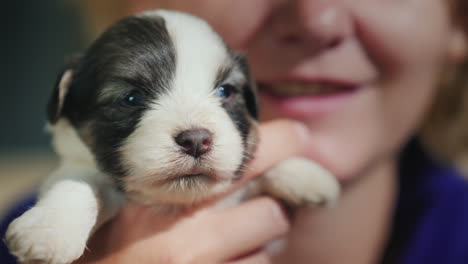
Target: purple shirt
431,219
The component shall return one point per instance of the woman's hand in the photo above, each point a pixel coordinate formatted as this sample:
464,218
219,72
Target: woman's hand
233,235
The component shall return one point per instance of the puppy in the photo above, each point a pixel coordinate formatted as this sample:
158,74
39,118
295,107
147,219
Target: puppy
158,110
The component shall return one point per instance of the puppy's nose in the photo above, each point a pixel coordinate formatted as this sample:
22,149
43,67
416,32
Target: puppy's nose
195,142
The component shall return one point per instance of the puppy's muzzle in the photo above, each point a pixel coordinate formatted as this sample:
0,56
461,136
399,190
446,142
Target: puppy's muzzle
195,142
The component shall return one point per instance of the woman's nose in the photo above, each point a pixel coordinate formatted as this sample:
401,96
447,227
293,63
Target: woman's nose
317,24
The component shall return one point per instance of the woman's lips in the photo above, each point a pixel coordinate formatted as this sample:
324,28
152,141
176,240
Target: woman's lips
307,100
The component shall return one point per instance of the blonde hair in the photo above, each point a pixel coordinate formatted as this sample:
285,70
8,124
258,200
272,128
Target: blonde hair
98,15
445,131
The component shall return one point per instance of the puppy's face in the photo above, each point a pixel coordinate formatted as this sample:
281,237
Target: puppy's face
164,106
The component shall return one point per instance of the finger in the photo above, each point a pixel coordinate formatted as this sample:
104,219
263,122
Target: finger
235,231
279,140
258,258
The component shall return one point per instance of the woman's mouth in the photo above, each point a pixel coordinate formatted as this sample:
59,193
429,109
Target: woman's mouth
303,100
293,89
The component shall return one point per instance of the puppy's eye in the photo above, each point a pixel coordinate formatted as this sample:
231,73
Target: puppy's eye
132,99
225,91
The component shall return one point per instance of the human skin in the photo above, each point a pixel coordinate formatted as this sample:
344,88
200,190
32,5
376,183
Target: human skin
392,52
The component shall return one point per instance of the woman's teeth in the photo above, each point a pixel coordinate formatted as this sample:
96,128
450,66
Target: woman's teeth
304,89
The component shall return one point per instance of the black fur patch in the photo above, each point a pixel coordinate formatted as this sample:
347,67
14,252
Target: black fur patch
243,108
250,90
243,104
134,54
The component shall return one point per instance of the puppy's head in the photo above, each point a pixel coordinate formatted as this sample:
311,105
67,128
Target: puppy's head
161,103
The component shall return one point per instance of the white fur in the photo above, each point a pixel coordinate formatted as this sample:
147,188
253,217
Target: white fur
74,200
57,228
189,102
296,181
301,182
68,145
78,164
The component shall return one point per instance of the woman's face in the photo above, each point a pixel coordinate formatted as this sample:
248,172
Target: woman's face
359,73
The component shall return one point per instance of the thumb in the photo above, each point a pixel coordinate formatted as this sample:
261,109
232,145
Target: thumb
279,140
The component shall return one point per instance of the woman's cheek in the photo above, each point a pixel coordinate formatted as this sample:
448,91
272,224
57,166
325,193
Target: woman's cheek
407,36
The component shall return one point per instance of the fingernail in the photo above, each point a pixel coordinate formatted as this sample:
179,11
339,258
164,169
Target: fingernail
279,214
302,131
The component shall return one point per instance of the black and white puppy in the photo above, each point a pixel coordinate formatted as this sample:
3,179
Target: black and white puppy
160,111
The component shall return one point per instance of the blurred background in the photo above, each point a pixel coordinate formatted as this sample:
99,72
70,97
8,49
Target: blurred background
37,37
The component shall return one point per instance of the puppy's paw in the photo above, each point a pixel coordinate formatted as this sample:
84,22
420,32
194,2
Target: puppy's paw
301,182
43,236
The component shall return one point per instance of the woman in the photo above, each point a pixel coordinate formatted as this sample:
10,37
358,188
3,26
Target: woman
351,83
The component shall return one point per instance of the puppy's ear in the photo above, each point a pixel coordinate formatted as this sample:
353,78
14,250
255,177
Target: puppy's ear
59,94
